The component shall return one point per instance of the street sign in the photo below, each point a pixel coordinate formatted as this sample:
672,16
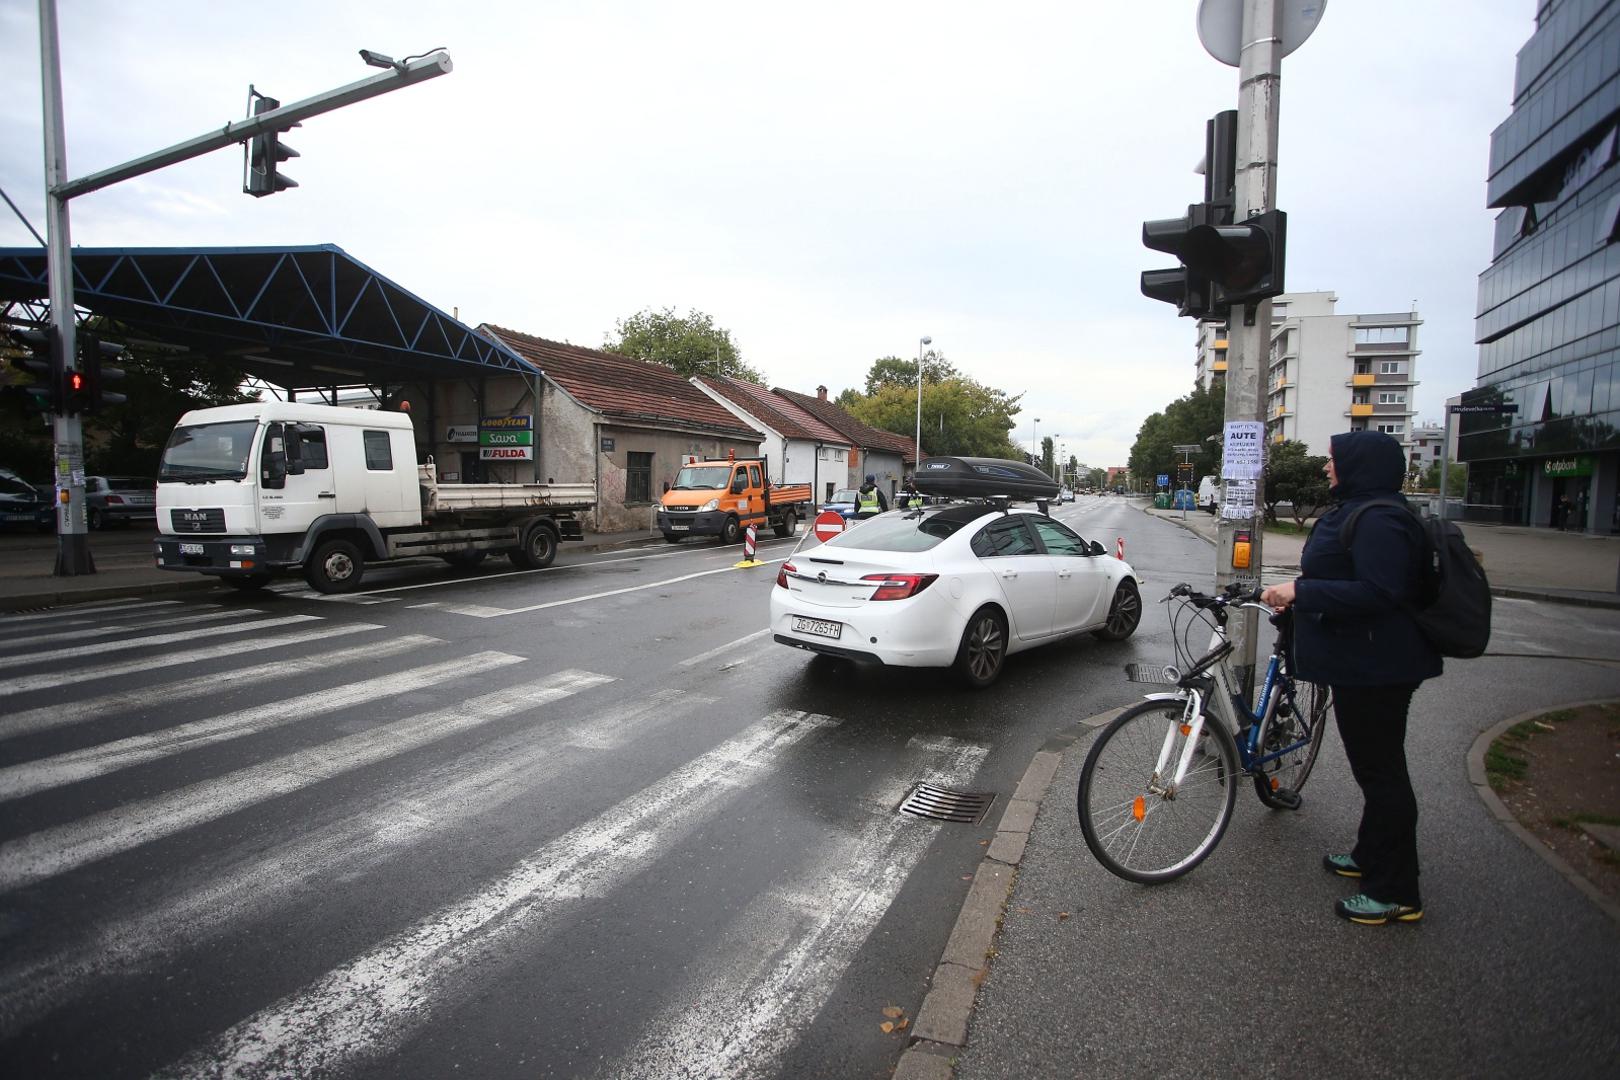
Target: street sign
1164,479
829,523
1192,448
1457,410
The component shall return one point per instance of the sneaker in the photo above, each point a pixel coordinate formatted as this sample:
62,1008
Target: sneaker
1363,909
1343,865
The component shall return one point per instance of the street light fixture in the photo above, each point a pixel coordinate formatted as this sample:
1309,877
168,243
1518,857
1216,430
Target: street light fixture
917,446
1034,442
1055,436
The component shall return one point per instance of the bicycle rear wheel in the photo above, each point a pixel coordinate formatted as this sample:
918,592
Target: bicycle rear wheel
1295,727
1136,827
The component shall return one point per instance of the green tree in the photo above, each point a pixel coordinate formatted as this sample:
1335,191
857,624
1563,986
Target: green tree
1457,483
848,398
692,345
893,371
959,416
1187,421
1295,476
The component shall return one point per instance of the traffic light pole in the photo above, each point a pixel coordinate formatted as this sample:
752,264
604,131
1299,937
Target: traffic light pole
67,456
1249,329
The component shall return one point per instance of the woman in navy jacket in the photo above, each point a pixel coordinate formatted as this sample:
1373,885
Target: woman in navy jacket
1351,632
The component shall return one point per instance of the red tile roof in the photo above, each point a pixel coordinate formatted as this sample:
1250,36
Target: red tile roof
773,409
856,432
619,387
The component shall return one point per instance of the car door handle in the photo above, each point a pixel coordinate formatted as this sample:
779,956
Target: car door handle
1009,573
1065,573
327,495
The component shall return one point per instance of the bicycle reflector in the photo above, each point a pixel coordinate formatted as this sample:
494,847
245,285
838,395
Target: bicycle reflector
1240,549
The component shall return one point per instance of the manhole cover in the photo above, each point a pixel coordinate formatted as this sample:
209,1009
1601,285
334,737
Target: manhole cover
943,804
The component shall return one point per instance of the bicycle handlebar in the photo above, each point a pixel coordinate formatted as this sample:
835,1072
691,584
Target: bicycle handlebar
1229,597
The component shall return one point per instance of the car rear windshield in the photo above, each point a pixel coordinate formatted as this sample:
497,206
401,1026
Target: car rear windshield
899,532
848,495
208,451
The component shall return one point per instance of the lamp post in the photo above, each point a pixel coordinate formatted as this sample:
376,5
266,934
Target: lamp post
1034,441
1055,436
917,446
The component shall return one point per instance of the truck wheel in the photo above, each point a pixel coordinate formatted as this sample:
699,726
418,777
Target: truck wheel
539,548
246,582
788,527
336,567
730,532
464,560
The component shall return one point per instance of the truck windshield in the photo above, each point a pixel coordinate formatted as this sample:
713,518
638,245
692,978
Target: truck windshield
208,451
702,478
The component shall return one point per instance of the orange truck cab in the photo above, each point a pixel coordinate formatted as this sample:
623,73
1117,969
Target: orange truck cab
722,498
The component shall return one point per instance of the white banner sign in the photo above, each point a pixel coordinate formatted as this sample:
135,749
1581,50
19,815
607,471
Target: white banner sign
1243,452
461,433
1239,500
506,453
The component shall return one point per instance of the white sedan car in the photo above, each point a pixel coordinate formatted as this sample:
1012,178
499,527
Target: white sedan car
954,586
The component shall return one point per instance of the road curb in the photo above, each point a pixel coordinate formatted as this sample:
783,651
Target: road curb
947,1010
1504,817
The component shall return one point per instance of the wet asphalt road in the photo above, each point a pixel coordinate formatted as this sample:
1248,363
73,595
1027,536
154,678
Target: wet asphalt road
588,821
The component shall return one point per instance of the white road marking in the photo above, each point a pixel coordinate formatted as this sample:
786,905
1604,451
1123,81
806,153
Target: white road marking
722,650
54,851
745,1004
372,1004
78,652
47,680
111,609
490,613
48,717
83,632
91,761
214,897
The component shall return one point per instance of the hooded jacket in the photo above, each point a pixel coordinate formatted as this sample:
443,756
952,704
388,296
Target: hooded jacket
1349,626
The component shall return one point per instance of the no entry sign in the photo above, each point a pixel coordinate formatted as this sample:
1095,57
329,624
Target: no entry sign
829,523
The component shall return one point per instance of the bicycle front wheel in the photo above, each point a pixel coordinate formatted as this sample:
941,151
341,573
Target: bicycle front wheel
1293,733
1138,824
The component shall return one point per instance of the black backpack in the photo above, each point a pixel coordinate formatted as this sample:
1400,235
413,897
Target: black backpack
1455,611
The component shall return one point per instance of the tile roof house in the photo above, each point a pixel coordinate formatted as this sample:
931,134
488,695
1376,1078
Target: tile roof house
800,448
625,425
881,454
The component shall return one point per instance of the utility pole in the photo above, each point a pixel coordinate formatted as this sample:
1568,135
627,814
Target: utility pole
1249,328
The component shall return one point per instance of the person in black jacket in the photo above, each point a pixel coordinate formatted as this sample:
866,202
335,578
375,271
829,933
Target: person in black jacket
1351,632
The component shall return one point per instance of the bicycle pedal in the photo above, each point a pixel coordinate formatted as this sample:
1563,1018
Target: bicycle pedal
1286,799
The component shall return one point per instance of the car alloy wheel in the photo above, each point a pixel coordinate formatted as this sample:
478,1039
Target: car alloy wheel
1123,614
983,650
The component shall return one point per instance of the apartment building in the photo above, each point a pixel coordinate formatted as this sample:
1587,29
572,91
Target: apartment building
1548,327
1211,363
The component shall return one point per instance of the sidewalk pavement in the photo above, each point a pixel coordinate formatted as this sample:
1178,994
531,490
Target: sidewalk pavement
27,580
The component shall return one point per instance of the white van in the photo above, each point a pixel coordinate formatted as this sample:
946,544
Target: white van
1209,494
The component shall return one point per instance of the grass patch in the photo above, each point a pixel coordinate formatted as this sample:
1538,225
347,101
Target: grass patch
1502,768
1575,821
1287,528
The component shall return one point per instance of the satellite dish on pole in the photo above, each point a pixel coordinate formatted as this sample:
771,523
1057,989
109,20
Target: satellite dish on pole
1220,26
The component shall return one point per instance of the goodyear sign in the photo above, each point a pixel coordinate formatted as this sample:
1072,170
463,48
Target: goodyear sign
506,438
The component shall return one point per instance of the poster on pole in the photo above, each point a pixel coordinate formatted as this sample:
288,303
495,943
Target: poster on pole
1238,500
1243,452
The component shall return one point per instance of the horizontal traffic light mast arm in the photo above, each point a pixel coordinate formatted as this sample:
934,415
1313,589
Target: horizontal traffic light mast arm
427,67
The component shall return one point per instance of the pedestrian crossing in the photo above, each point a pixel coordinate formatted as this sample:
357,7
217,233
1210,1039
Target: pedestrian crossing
219,806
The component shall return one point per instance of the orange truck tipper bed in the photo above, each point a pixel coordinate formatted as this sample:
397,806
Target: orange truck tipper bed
722,498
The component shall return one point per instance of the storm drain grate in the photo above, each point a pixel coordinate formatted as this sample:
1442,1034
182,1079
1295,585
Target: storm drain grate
943,804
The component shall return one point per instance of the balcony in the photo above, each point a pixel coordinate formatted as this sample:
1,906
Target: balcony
1362,380
1361,410
1219,365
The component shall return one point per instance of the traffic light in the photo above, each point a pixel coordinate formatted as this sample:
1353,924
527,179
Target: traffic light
93,355
265,152
1244,259
44,390
1189,290
75,393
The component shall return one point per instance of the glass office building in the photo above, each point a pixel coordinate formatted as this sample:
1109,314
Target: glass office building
1548,322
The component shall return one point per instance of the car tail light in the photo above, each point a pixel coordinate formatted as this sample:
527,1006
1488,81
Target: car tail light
899,586
115,498
781,575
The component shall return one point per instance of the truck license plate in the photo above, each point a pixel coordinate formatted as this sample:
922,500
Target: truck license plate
679,528
191,549
818,627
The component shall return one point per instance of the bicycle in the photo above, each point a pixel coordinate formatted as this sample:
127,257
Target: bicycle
1160,782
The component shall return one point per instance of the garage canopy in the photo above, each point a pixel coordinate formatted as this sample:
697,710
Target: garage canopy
299,318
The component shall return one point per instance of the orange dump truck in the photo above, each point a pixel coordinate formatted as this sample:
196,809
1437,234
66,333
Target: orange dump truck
722,498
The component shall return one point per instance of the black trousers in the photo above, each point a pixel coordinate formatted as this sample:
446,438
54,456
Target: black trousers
1372,723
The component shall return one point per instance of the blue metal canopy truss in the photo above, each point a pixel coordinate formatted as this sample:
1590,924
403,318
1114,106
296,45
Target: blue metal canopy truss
300,318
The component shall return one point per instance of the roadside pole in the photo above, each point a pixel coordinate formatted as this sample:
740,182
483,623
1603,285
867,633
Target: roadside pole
1249,329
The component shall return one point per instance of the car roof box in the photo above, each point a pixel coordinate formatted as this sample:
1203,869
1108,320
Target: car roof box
983,478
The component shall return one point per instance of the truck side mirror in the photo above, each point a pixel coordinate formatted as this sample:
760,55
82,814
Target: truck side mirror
295,451
273,459
737,483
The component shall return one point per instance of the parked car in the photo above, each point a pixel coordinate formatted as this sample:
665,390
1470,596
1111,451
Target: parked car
844,500
110,500
1011,580
24,506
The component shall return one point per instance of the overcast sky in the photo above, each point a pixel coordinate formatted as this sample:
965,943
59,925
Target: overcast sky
828,181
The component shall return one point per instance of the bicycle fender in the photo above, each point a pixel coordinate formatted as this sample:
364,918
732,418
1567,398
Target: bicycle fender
1164,697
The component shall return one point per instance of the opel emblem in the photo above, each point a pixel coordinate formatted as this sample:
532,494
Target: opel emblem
822,577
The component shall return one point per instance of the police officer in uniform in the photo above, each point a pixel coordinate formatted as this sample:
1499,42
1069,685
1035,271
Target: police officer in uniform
869,501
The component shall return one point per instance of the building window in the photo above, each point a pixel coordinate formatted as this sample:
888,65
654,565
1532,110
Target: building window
638,478
1392,397
1391,429
1391,367
1381,335
379,455
1363,368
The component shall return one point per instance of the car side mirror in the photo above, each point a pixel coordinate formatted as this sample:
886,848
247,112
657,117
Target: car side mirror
1097,549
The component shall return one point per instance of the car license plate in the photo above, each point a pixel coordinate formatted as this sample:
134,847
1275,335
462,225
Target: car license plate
818,627
17,517
191,549
679,528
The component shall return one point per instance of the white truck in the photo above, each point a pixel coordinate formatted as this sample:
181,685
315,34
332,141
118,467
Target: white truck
246,490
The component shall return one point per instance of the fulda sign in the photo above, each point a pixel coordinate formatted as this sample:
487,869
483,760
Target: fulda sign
506,438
